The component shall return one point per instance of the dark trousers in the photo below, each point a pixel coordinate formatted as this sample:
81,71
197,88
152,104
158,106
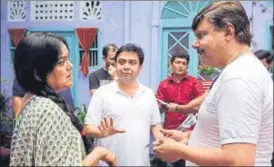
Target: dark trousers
180,163
157,162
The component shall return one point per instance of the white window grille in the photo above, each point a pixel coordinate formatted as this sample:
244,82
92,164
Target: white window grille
90,10
16,10
52,10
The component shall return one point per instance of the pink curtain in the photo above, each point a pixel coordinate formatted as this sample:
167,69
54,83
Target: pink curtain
16,35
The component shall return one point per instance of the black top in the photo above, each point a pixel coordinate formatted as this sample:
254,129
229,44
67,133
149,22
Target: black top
98,78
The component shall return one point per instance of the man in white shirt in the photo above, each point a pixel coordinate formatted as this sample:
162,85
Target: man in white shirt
122,113
235,121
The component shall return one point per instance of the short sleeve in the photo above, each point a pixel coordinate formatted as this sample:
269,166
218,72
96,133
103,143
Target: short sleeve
159,93
94,82
239,107
197,88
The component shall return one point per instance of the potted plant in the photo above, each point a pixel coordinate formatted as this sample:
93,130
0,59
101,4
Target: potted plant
207,73
81,112
6,122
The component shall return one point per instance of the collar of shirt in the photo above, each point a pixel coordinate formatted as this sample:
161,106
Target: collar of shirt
170,79
140,90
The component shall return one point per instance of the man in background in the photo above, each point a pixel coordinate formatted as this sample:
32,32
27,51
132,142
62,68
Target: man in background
182,92
124,112
107,73
267,59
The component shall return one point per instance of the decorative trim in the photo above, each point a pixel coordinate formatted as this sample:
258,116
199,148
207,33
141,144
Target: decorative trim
52,10
90,10
16,10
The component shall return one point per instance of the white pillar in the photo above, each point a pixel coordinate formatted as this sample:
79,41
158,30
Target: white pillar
127,17
154,51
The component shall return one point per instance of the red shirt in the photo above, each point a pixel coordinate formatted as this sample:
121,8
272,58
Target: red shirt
181,93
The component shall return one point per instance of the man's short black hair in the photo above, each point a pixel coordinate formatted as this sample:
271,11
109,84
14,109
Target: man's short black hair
264,54
222,13
179,53
131,48
107,47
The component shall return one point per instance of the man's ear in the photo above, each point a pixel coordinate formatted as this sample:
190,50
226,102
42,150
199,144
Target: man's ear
229,30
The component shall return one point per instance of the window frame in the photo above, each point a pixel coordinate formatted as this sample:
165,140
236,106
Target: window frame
12,49
92,49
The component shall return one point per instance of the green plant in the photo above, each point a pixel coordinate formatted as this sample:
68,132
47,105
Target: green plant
81,112
207,72
6,121
4,105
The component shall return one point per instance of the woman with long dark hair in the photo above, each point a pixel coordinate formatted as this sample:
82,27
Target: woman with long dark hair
47,132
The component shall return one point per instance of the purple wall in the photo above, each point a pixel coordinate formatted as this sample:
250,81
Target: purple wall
110,26
122,22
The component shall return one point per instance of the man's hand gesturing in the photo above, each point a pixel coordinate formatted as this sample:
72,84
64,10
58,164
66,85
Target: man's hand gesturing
107,129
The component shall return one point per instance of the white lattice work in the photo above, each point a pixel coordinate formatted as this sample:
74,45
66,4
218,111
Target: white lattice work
52,10
16,10
90,10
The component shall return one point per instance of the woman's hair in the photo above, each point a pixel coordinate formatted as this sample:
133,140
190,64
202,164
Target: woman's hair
35,57
133,48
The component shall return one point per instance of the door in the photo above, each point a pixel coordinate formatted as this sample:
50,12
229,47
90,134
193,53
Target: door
178,39
176,32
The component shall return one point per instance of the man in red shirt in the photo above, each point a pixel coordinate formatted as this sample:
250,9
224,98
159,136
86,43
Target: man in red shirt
182,92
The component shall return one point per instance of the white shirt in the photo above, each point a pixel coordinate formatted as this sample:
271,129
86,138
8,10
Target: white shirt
238,109
134,115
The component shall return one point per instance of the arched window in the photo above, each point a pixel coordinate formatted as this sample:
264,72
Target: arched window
176,33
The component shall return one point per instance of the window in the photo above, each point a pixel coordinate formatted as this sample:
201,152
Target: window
16,10
52,10
11,50
90,10
178,37
93,53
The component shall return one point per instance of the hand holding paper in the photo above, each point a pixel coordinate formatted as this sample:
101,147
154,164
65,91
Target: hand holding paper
187,123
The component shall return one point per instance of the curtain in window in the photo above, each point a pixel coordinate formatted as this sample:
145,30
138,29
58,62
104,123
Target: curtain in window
86,37
16,35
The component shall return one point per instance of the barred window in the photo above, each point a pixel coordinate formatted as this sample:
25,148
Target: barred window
93,53
52,10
